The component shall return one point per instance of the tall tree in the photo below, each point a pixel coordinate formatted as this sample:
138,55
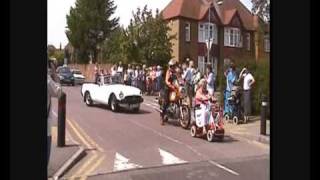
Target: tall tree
89,23
262,9
148,40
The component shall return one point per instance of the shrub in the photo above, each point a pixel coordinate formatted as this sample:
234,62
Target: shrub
260,71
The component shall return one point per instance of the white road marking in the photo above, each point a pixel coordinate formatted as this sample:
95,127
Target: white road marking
122,163
168,158
188,146
224,168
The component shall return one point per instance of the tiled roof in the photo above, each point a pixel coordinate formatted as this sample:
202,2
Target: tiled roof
196,9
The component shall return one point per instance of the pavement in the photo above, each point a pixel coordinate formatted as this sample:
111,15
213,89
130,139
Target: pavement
128,145
62,158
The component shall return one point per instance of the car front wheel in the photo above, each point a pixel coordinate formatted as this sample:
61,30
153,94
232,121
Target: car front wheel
113,103
87,99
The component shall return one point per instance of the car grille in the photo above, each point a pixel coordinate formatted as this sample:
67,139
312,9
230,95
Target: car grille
133,99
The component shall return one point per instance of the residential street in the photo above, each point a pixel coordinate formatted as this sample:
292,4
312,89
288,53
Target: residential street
126,145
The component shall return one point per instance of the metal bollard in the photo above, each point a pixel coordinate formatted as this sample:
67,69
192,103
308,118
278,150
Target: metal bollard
61,120
263,123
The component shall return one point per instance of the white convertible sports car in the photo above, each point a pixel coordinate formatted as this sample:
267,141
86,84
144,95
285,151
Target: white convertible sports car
112,93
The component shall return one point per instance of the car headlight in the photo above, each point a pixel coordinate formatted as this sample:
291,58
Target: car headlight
121,95
61,77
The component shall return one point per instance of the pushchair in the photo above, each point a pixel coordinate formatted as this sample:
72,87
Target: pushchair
234,113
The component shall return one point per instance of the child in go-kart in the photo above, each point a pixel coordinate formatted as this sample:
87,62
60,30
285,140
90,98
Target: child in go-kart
202,99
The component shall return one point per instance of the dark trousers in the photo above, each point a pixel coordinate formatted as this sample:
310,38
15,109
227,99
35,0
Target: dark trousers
247,102
164,95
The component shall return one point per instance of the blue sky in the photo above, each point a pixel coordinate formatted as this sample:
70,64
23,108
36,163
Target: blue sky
58,9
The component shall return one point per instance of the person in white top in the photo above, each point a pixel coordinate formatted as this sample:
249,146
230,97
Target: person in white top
248,81
120,69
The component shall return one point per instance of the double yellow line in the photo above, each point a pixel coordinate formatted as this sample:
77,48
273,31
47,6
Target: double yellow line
95,160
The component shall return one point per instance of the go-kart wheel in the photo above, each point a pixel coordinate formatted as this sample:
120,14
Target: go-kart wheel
193,130
235,120
210,135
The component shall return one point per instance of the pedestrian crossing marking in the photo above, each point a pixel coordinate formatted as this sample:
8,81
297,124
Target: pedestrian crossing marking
168,158
122,163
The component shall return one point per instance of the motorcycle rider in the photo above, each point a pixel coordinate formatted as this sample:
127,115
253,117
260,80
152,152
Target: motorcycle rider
170,77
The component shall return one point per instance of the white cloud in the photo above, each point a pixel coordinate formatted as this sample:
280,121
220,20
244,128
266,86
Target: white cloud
58,9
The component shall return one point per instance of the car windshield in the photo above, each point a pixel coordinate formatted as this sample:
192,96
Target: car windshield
112,80
64,70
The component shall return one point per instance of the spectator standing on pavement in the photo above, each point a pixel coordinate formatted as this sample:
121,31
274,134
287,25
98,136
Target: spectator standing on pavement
231,78
114,70
144,73
187,77
96,72
129,74
53,90
125,78
248,81
134,77
153,74
158,78
137,77
120,69
210,80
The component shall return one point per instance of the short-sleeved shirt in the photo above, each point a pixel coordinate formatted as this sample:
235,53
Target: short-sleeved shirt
247,78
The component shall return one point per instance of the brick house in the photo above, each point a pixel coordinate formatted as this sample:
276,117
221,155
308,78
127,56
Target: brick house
233,29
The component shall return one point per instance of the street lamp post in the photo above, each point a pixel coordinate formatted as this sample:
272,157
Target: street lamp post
209,41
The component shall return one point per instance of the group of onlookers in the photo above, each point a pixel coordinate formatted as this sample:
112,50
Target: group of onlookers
148,79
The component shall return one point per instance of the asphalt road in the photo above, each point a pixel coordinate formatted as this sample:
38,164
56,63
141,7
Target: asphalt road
135,146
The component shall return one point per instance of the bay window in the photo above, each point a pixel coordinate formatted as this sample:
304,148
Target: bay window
206,31
232,37
187,31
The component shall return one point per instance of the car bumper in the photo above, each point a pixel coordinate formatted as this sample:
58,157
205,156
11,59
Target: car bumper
79,81
131,100
66,80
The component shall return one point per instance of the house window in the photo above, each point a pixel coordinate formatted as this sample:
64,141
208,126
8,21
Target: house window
201,63
187,31
248,41
207,30
266,43
232,37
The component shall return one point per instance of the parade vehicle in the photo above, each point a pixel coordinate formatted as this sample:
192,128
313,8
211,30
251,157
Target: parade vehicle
211,120
110,90
178,107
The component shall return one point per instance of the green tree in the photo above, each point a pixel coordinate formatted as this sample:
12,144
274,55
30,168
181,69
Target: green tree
148,39
262,9
115,48
89,23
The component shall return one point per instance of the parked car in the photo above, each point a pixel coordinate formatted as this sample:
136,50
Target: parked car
113,93
65,75
78,76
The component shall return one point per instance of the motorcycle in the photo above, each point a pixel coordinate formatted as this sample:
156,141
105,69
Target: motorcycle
178,107
213,122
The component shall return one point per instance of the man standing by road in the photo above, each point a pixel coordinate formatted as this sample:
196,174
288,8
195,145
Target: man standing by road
53,90
187,77
248,81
